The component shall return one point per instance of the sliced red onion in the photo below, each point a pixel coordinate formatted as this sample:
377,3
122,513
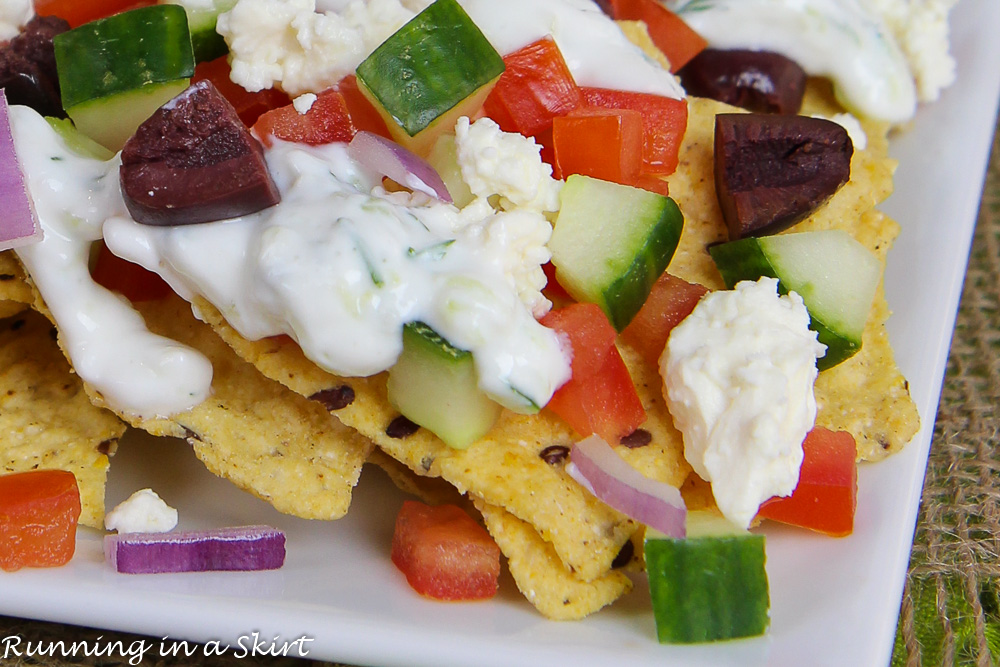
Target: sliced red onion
390,159
245,548
605,474
18,223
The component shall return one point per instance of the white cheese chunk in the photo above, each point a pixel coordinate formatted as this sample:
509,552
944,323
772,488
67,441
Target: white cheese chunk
143,512
13,15
738,379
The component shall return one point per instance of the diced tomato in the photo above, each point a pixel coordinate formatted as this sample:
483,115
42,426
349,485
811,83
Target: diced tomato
131,280
601,143
39,511
536,86
668,31
664,121
827,493
600,397
249,106
78,12
364,115
652,183
553,290
444,553
326,121
669,302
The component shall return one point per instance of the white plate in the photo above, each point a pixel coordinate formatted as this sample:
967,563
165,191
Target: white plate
833,601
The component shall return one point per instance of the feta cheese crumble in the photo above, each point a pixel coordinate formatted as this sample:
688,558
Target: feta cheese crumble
143,512
303,103
738,378
13,15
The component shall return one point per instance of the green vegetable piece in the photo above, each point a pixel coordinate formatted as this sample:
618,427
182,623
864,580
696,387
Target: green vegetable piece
710,585
114,72
206,42
77,142
835,275
435,68
434,384
611,242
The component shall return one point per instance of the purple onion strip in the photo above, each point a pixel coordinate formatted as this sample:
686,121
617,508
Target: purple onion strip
244,548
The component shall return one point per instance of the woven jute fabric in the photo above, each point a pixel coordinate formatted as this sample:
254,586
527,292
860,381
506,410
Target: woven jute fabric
950,614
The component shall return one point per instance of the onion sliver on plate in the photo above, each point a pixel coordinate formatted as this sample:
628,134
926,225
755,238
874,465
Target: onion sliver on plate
605,474
245,548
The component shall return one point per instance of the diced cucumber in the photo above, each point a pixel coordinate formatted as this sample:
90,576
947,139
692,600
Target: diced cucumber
437,67
433,384
115,72
611,242
206,42
710,585
835,275
78,142
444,159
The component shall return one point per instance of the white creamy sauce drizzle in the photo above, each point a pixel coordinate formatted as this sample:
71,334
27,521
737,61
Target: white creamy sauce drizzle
838,39
136,371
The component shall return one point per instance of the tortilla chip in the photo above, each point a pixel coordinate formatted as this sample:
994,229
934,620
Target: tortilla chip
14,290
540,575
430,490
45,417
866,395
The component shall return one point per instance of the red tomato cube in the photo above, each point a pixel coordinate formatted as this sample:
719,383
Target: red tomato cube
326,121
365,116
78,12
249,106
39,511
668,31
600,396
536,86
444,553
664,121
669,302
600,143
826,496
130,280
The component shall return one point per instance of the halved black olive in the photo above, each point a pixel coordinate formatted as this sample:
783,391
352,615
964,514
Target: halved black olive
759,81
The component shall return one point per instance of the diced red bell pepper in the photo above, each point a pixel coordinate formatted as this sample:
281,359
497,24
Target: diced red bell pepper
249,106
326,121
39,511
669,302
536,86
600,397
132,281
678,41
444,553
78,12
664,121
600,143
364,115
827,493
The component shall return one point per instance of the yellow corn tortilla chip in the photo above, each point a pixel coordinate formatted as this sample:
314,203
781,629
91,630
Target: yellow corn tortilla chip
46,420
866,395
15,293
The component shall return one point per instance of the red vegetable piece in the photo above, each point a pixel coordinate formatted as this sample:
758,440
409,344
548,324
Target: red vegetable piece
669,302
536,87
326,121
247,548
39,511
194,161
827,493
664,121
363,114
597,142
78,12
444,553
249,106
668,31
600,396
130,280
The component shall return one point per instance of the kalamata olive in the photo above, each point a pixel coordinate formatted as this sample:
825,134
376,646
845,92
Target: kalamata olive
772,171
760,81
28,66
194,161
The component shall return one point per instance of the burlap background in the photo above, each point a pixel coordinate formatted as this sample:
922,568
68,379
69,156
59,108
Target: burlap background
950,612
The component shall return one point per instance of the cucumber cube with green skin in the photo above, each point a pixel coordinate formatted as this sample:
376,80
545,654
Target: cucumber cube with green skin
834,274
437,67
115,72
710,585
207,43
611,242
434,384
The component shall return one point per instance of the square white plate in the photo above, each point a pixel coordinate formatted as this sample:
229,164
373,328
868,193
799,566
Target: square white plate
833,601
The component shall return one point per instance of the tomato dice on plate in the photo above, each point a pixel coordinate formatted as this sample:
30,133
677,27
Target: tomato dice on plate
600,397
827,493
444,553
39,511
